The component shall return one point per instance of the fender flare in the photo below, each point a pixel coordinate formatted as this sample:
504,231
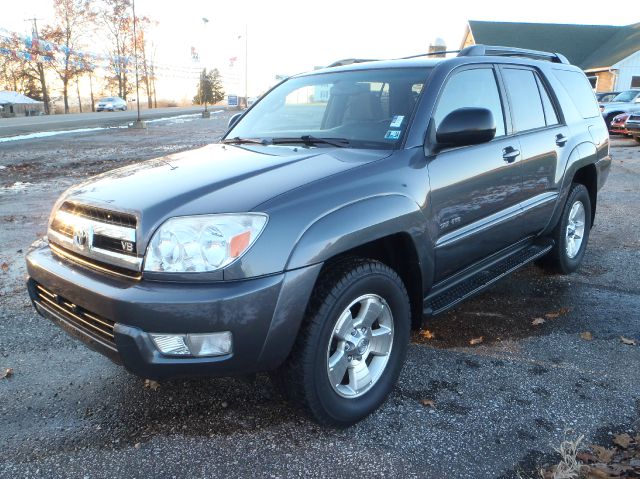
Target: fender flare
583,154
358,223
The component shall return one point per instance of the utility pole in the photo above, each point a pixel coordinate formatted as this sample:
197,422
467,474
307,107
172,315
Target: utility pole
246,65
204,80
39,66
139,124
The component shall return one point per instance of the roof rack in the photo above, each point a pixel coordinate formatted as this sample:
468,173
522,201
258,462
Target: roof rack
481,50
430,54
350,61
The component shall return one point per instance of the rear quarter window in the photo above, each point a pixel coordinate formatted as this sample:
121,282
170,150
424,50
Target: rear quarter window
580,92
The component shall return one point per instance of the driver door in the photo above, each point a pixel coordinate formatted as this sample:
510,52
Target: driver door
474,189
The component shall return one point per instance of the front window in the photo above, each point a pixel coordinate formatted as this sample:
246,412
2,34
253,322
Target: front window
627,96
357,109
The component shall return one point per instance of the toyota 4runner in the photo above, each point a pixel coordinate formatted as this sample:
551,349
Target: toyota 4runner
341,209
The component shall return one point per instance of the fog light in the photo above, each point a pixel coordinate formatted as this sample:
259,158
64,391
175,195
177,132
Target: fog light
200,344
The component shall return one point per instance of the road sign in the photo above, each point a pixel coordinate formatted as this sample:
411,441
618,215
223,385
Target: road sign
232,100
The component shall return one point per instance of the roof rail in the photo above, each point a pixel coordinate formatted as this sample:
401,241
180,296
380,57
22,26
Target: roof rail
481,50
429,54
350,61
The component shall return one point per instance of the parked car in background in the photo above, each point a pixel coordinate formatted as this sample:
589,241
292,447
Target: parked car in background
111,103
633,126
606,96
619,124
626,102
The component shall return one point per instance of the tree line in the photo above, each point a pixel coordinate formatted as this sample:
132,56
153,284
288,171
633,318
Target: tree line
28,65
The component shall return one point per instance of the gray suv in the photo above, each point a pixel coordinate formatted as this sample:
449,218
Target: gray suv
338,212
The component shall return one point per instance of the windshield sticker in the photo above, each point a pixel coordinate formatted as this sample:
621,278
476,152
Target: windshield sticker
392,135
396,121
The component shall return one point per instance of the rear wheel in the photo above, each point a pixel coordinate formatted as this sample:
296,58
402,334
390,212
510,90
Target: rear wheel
571,234
350,350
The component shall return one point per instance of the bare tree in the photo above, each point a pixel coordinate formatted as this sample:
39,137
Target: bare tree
25,70
73,21
117,18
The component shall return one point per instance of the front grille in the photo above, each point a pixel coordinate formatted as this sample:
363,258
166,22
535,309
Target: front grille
96,237
93,325
94,264
114,244
99,214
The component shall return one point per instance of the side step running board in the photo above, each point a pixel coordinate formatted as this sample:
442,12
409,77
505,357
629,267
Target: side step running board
442,299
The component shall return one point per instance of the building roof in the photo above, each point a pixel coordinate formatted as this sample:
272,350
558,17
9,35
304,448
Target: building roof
587,46
15,98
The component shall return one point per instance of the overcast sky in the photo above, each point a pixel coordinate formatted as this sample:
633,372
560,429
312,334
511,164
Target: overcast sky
287,37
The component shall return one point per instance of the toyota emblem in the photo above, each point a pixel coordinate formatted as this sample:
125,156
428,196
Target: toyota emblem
80,238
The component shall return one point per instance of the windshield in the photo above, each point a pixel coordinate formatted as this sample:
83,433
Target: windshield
627,96
107,99
361,108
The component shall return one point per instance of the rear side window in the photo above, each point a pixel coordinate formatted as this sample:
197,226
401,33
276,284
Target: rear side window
549,112
471,88
526,104
579,89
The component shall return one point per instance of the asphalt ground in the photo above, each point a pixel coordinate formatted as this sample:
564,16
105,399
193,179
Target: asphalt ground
22,125
495,409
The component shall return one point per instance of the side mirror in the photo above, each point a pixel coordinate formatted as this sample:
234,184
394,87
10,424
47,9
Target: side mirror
466,126
233,120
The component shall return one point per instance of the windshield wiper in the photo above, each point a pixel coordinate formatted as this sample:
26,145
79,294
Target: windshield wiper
239,141
312,140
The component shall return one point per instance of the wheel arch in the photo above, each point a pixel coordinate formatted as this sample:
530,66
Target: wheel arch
390,229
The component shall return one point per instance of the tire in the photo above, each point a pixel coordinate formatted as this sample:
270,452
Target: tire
637,138
343,290
566,255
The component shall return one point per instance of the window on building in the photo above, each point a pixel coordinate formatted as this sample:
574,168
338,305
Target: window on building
594,81
635,82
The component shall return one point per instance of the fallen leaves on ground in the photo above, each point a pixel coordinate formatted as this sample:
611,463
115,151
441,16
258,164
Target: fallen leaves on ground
5,267
627,341
557,314
426,334
428,403
622,440
475,341
6,373
602,453
538,321
151,384
597,462
586,335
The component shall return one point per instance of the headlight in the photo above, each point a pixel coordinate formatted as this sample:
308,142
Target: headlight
202,243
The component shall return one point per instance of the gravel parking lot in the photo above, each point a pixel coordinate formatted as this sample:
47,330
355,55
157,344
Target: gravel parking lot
495,409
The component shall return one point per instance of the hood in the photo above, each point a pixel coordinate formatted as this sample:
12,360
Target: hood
214,179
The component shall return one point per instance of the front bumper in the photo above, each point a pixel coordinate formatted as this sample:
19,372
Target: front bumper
263,314
633,128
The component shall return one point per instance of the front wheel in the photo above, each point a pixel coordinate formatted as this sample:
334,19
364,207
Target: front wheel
351,348
637,138
571,234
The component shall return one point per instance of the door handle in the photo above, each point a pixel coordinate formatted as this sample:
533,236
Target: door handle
561,140
509,154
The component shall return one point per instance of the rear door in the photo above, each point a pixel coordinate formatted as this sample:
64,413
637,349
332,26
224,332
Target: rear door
543,142
475,189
